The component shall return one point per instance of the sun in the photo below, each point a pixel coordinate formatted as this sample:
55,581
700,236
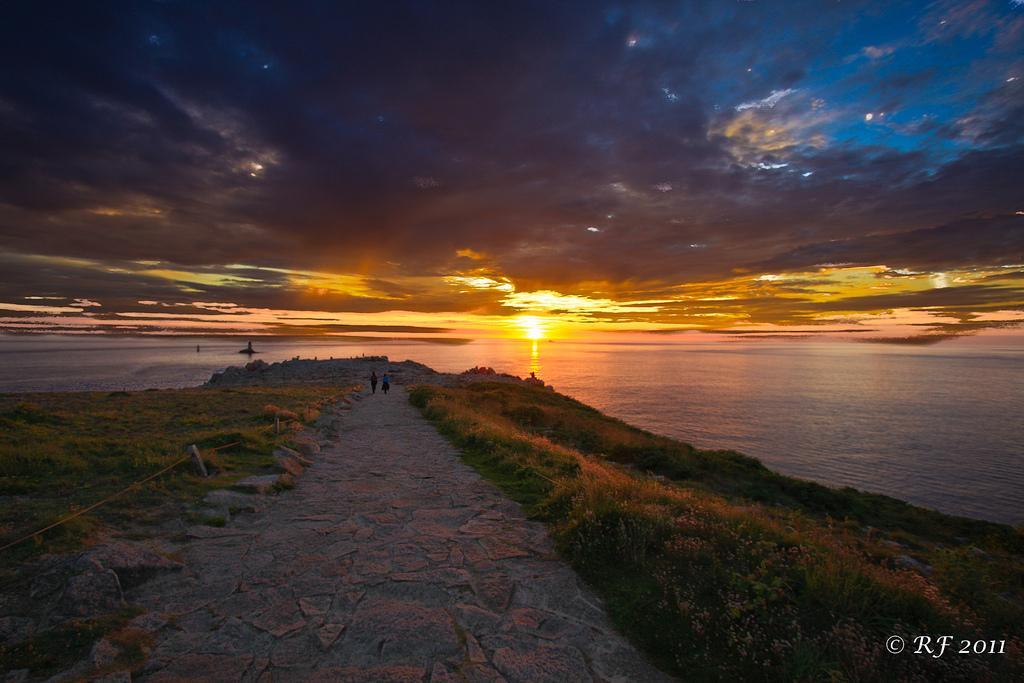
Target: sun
532,326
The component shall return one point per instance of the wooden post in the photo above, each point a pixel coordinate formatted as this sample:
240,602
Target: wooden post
197,461
277,424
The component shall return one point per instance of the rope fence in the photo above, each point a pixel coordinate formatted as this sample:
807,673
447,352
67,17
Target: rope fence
192,453
112,496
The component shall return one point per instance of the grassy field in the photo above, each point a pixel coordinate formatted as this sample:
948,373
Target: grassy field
723,570
63,451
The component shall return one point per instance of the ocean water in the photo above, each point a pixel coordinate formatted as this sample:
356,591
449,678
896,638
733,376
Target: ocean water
940,426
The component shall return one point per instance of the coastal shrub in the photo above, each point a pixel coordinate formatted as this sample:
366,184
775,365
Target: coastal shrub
271,410
27,412
724,570
532,416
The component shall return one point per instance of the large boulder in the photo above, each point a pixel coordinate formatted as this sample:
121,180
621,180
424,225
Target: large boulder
285,452
260,483
307,445
133,563
93,592
91,583
289,465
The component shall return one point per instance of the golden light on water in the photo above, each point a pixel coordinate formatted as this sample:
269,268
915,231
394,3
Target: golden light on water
534,359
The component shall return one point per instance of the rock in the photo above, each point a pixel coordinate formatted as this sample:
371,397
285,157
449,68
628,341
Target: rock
260,483
233,501
498,549
315,606
401,630
149,622
493,588
289,465
16,676
475,672
205,667
541,663
476,653
439,674
328,634
481,370
51,575
15,629
257,366
294,652
132,563
285,452
115,677
373,674
908,562
279,619
476,618
104,653
91,593
307,445
213,532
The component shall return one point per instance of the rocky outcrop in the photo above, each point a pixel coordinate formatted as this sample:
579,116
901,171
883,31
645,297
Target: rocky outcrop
350,371
131,562
86,585
228,502
347,371
91,583
91,593
288,464
261,484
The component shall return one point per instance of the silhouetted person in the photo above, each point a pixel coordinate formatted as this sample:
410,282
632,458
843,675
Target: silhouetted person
373,382
385,383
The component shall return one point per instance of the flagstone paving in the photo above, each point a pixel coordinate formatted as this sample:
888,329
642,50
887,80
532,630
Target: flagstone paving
390,560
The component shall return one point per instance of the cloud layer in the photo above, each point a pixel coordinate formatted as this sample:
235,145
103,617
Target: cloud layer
591,161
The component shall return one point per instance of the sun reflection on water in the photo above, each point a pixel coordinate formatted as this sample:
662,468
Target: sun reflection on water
534,358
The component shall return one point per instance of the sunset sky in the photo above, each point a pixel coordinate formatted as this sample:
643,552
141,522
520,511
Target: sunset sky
549,169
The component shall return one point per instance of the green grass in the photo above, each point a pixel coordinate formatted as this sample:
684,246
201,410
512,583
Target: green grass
62,646
723,570
62,451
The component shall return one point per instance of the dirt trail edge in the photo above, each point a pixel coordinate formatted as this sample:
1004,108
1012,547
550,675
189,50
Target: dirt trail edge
390,560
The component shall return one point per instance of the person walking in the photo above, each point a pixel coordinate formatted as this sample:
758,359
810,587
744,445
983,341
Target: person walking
385,383
373,382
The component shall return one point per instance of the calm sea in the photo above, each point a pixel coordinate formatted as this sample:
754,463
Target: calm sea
939,426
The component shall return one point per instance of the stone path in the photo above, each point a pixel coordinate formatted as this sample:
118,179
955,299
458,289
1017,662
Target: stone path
391,560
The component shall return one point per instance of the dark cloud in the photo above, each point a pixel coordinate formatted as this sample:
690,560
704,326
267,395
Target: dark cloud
380,139
970,242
